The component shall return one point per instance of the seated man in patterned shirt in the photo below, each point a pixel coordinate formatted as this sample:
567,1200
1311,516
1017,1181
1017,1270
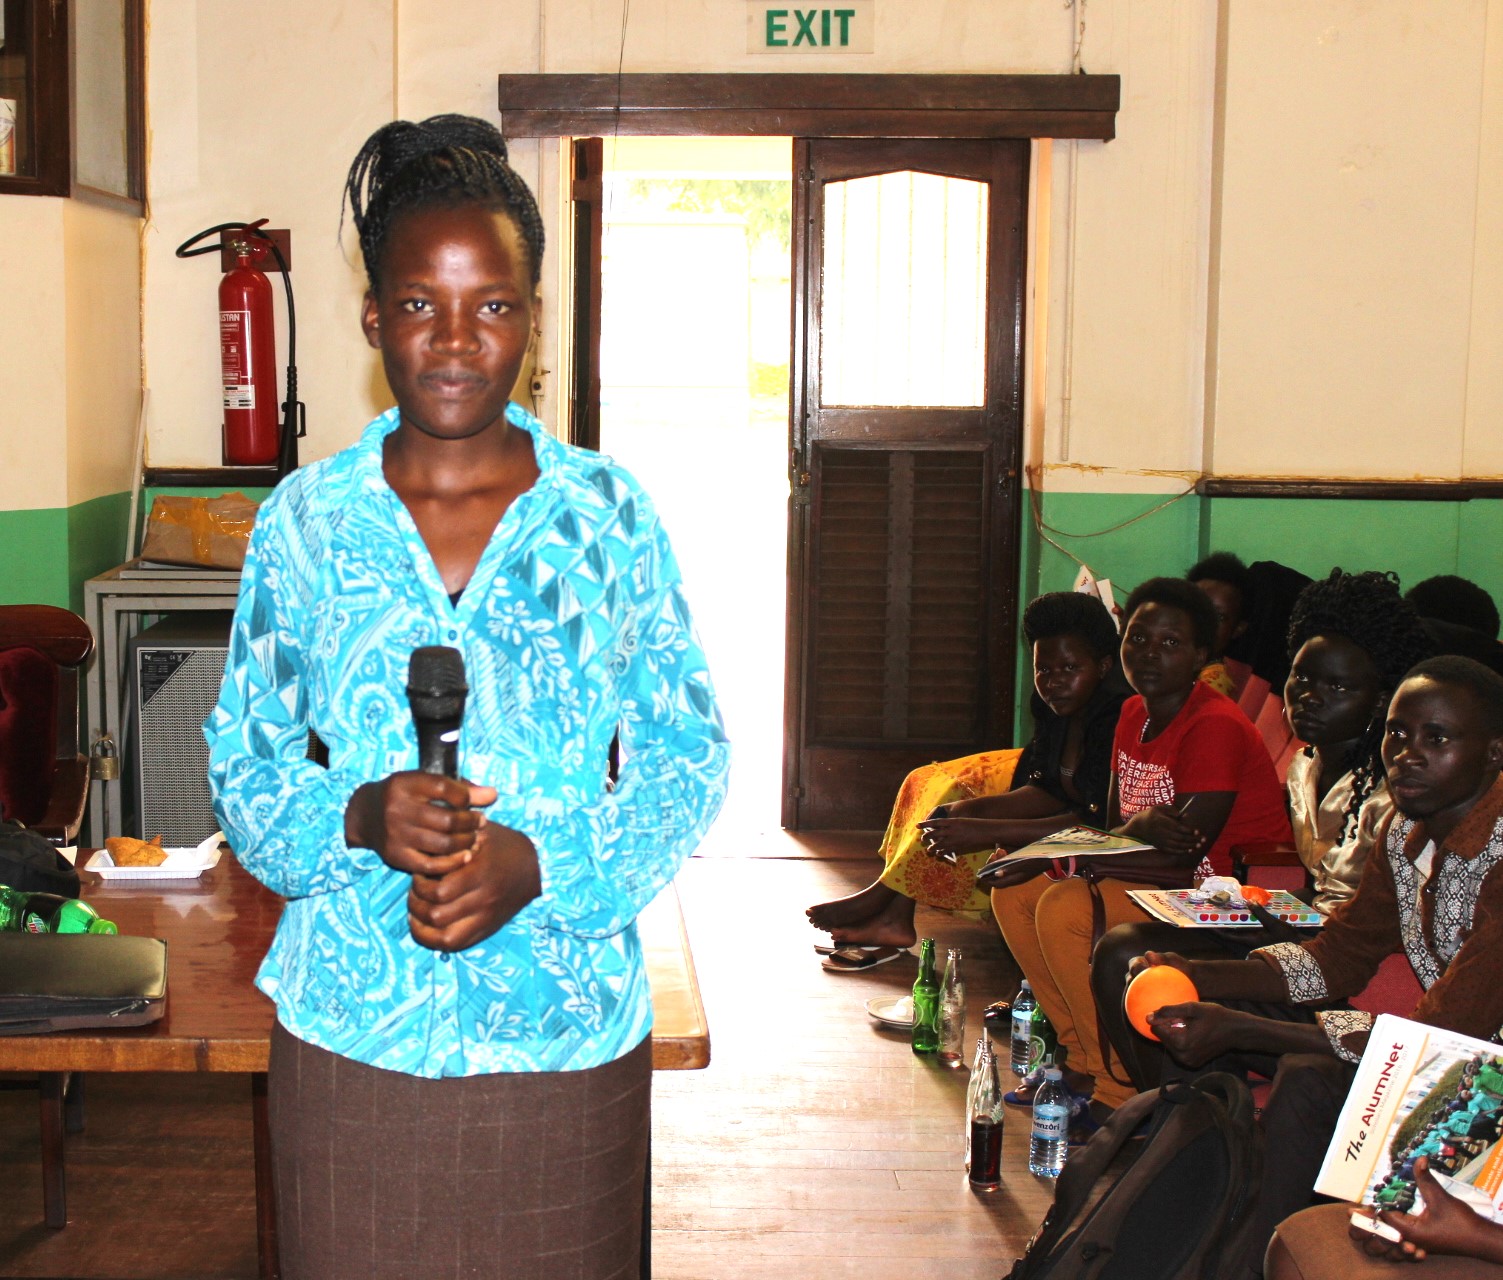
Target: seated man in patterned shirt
1435,893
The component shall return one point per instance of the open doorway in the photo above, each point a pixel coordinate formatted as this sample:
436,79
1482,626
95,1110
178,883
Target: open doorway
694,366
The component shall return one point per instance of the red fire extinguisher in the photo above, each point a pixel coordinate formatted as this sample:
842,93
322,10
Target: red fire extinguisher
248,359
247,349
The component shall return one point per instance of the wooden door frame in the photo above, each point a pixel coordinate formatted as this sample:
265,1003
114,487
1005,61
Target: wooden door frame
809,106
797,106
587,203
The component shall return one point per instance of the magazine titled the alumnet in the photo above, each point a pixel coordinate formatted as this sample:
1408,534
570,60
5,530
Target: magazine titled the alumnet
1420,1091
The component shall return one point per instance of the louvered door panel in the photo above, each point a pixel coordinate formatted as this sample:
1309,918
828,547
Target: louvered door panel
850,620
899,617
947,632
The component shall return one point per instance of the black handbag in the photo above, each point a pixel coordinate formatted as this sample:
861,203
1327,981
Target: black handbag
69,981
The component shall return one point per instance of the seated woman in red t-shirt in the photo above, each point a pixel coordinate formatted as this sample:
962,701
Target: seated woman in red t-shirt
1191,777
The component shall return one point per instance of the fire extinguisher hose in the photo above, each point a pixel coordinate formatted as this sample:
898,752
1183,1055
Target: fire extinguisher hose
294,413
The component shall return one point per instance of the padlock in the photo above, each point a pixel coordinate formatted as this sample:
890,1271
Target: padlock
105,760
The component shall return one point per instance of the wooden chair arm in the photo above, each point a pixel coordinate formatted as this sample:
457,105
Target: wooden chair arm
65,806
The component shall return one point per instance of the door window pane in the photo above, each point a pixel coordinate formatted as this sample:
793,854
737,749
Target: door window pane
102,155
903,318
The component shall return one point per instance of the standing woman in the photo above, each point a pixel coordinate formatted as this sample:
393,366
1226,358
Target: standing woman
461,1066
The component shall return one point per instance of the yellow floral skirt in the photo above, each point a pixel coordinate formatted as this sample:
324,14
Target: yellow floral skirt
914,872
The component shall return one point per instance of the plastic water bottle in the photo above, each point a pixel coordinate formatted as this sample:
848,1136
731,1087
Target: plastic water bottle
1023,1005
1051,1126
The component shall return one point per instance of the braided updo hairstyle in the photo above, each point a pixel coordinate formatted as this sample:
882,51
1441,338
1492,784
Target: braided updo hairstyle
443,160
1367,609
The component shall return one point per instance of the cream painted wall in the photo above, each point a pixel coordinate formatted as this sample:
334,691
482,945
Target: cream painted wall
70,351
1354,305
1354,135
247,124
33,356
1127,274
102,296
1482,450
710,35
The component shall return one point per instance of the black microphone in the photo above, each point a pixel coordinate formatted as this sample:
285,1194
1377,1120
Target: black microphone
436,692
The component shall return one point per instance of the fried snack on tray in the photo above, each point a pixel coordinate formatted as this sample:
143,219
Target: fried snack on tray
127,851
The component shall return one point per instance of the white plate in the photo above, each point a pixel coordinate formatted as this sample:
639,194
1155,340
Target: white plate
180,864
896,1013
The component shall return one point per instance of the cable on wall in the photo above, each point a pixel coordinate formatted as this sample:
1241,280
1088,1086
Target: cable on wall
1043,528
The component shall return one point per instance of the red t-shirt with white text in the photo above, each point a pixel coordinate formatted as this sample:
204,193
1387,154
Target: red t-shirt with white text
1208,746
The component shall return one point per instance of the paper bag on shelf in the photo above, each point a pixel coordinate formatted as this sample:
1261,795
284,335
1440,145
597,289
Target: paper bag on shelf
211,533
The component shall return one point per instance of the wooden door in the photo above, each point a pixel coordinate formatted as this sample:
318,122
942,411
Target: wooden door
587,221
904,455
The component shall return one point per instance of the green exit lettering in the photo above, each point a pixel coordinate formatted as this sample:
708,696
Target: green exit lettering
805,22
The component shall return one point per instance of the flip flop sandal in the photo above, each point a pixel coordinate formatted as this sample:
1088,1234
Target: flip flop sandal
829,949
857,959
1022,1096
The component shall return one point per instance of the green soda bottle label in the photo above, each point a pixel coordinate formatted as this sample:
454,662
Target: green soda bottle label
1043,1046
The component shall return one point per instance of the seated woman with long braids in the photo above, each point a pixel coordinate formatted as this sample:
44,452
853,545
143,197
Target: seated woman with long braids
950,816
1351,639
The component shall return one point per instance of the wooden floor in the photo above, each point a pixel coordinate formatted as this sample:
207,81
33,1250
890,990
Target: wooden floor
814,1147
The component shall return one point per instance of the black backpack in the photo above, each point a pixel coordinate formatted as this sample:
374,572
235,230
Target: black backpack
1182,1206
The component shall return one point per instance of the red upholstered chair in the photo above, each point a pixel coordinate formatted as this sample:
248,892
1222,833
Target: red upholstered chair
1270,865
44,781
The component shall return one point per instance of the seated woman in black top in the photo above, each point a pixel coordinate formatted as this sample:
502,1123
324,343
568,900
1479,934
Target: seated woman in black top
950,817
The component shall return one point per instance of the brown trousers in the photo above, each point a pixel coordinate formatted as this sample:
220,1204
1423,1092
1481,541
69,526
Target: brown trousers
1047,925
525,1175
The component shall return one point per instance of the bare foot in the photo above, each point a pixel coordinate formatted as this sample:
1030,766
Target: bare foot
853,910
892,926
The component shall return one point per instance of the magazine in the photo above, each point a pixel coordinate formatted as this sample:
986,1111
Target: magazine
1077,840
1194,909
1420,1091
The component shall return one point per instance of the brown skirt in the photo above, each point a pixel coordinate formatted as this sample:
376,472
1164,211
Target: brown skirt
1315,1245
532,1175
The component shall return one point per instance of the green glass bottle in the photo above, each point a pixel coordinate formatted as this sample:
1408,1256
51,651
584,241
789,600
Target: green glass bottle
926,1002
48,913
1043,1044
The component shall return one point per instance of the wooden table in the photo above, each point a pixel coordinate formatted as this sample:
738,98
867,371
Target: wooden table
218,929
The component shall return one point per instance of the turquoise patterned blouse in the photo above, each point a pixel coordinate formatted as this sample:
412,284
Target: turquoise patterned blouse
573,625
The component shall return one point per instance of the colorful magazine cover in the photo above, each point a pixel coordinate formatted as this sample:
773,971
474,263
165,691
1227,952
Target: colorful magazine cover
1420,1091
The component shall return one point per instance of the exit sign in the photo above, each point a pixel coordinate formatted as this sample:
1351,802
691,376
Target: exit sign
773,27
